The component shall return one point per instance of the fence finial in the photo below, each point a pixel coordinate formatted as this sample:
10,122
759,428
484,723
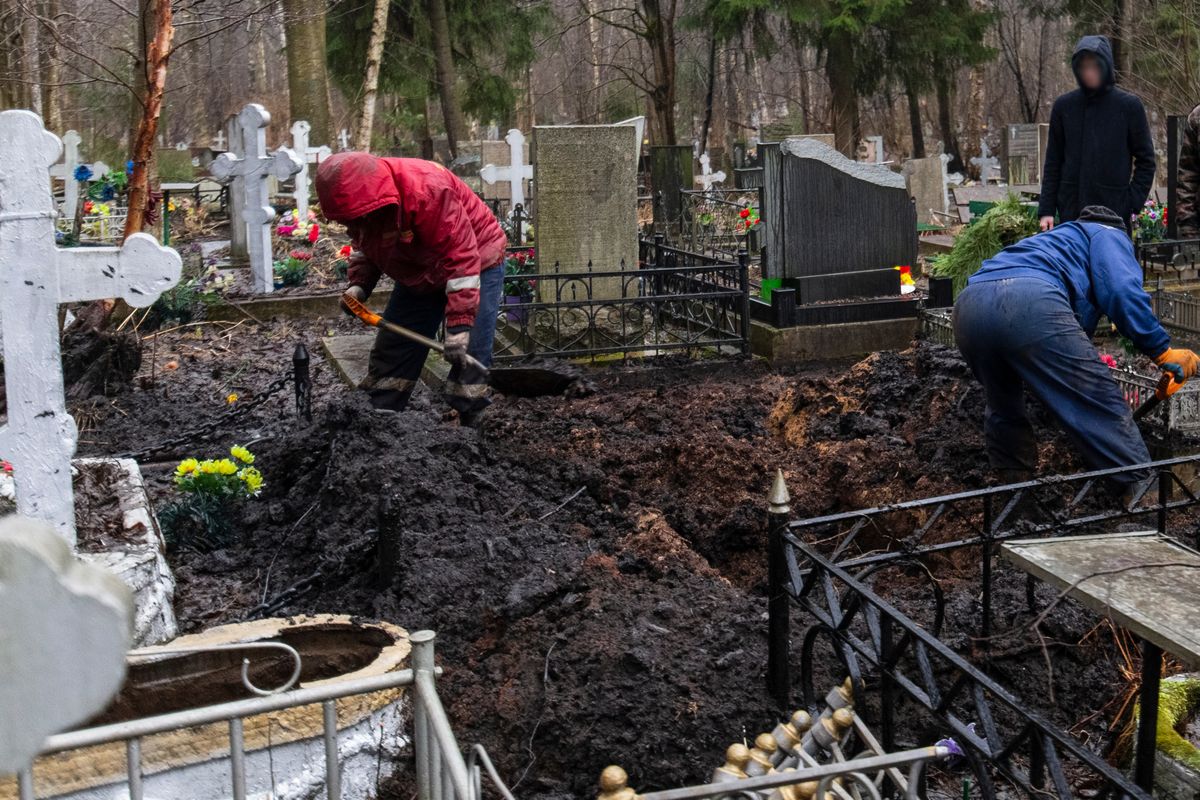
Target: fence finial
779,497
614,785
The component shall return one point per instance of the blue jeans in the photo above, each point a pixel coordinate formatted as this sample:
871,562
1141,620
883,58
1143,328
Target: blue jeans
395,363
1021,332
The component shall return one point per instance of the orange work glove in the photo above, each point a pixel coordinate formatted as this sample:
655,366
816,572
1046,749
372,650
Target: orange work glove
1181,363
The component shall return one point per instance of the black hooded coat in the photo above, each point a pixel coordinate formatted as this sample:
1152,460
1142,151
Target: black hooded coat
1100,152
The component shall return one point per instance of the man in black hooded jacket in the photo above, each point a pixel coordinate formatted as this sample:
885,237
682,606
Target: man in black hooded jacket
1100,152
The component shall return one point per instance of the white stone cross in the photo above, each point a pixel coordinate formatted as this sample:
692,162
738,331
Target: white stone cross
220,141
253,167
987,164
312,155
344,139
35,277
65,171
516,173
707,177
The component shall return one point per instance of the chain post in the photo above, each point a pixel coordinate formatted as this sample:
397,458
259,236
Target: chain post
302,379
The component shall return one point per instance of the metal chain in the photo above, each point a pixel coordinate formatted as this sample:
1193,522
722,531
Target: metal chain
201,431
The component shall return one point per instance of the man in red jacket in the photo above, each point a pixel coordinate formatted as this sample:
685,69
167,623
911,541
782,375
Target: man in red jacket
416,222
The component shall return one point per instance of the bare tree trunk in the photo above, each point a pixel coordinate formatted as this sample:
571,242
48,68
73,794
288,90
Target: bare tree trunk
1120,38
158,51
50,69
840,70
427,129
14,92
308,79
709,92
660,35
594,44
366,118
733,106
29,58
443,61
945,97
914,121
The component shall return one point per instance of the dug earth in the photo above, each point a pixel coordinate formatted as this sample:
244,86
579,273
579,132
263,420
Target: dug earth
595,566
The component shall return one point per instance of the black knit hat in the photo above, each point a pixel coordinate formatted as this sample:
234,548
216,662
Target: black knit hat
1102,215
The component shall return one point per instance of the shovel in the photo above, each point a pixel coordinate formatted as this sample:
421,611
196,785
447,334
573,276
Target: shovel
1167,386
513,381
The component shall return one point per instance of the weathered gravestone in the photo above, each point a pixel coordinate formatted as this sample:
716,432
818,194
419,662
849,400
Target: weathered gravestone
511,181
308,155
670,174
585,197
64,629
986,163
836,228
926,180
1025,152
35,277
235,193
254,166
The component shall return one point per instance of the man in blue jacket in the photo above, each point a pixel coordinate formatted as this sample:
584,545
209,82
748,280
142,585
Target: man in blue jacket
1027,318
1100,151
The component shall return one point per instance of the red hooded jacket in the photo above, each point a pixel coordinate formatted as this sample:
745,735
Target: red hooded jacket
447,235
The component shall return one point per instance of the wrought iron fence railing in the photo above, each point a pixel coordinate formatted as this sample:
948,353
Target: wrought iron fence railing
712,221
441,771
1177,259
673,300
827,565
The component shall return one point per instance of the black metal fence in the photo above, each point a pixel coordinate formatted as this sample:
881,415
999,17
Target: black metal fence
826,565
713,221
1172,259
672,300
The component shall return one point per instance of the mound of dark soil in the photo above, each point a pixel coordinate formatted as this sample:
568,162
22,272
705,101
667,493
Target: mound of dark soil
594,566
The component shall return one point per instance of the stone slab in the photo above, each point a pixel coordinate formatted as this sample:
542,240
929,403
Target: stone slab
926,181
1145,582
1025,152
790,346
671,171
585,200
350,353
844,285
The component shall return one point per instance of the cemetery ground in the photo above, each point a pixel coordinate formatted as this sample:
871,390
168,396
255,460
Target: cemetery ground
595,566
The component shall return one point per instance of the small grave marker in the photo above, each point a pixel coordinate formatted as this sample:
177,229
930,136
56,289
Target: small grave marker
65,171
254,167
987,164
516,173
312,155
707,178
35,277
220,141
344,139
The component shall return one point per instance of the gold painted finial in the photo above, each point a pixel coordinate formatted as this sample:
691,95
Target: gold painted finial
737,756
614,784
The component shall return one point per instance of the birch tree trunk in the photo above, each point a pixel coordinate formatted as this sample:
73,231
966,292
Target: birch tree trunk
158,51
366,117
443,61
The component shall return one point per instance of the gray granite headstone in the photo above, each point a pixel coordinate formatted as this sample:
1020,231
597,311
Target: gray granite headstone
926,180
748,178
832,215
585,201
1025,152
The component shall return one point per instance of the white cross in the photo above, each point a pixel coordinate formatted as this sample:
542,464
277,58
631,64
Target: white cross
516,173
344,139
312,155
220,141
986,163
35,277
253,167
707,177
66,173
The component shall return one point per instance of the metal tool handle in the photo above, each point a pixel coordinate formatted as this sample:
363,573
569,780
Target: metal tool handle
358,309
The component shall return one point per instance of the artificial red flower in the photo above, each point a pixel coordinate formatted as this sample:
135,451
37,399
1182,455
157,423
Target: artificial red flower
301,255
313,232
744,213
88,205
6,466
345,251
1108,360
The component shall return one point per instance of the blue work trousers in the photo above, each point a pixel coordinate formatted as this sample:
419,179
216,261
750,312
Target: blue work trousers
1021,332
395,362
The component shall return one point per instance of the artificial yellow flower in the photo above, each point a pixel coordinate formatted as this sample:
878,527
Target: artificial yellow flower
187,467
171,206
252,478
241,454
226,467
232,398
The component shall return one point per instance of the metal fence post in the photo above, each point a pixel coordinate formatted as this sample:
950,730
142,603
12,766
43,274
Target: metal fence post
985,627
423,741
743,258
778,602
302,379
1164,497
166,217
